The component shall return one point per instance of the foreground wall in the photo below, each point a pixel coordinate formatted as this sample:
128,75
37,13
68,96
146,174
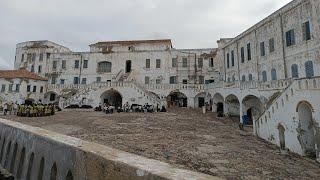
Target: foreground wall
33,153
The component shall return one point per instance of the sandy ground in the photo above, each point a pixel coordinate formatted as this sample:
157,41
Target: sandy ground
185,138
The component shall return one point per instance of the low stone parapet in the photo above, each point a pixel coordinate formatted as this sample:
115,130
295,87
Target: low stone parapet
31,153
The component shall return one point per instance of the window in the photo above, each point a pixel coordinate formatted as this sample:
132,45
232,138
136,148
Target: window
104,67
54,65
98,79
229,79
228,60
3,88
63,64
184,62
306,31
200,62
17,87
173,80
250,77
39,69
41,89
10,87
271,45
146,80
28,88
158,81
84,81
201,79
76,64
211,64
48,55
185,81
32,68
53,80
294,71
242,54
62,81
249,51
290,38
29,57
41,57
76,80
264,76
243,79
262,49
309,69
234,78
232,58
22,57
34,89
85,64
147,63
33,57
174,62
273,74
158,63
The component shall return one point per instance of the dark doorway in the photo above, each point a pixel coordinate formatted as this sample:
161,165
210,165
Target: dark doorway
201,102
112,98
282,137
250,117
52,97
177,99
220,109
128,66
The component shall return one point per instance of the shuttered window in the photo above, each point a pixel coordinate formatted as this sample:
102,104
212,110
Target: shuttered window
294,71
309,69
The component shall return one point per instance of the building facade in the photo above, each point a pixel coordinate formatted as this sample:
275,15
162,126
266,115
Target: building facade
271,68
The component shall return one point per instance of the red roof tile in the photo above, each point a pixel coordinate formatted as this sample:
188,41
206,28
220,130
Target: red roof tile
21,73
132,42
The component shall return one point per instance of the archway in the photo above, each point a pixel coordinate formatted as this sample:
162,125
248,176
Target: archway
177,99
253,107
29,101
233,105
202,99
218,101
306,129
112,98
282,139
51,97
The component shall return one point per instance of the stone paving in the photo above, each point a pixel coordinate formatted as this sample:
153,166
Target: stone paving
185,138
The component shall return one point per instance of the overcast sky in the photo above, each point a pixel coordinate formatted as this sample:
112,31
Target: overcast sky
78,23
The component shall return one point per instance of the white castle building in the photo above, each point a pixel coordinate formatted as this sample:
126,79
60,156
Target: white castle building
269,73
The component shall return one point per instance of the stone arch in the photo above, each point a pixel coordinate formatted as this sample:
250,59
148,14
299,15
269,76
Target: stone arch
252,107
29,101
306,131
7,155
30,166
69,175
41,169
201,99
177,99
51,97
54,172
112,97
13,159
282,137
2,148
232,105
21,162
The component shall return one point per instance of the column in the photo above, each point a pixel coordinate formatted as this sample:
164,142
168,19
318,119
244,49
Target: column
241,113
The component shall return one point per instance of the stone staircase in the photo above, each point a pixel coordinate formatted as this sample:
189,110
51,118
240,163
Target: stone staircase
283,112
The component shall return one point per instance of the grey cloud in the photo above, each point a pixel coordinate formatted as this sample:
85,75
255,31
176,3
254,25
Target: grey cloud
77,23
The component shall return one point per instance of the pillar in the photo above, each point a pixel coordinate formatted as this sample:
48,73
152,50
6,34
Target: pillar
241,113
191,102
225,108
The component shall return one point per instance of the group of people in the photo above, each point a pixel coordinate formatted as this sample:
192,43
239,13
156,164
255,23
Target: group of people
108,109
35,110
28,110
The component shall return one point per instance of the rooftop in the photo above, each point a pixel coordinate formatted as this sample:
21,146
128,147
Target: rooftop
21,73
153,41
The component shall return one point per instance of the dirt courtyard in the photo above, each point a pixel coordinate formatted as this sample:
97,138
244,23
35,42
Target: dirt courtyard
185,138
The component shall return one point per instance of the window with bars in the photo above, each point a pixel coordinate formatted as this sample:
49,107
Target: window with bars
104,67
147,63
262,49
306,31
158,63
309,69
146,80
271,45
184,62
290,38
294,71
